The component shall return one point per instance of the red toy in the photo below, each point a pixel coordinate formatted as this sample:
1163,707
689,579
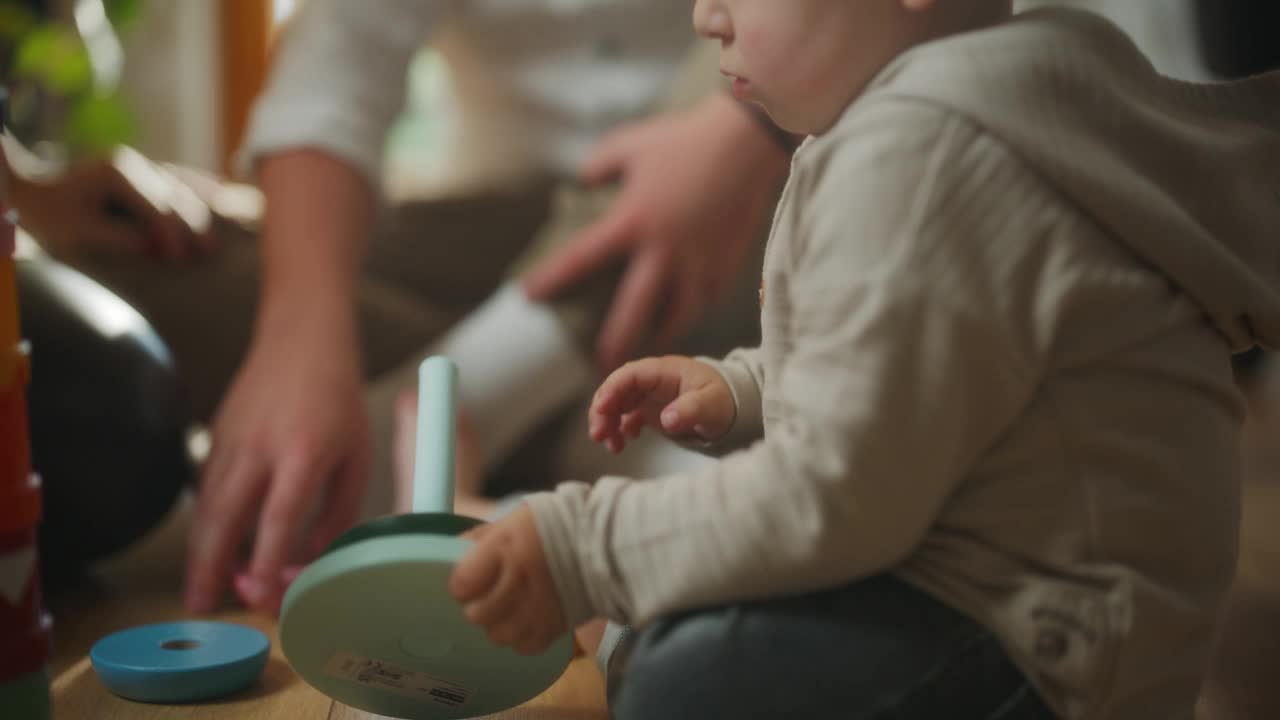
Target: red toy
25,637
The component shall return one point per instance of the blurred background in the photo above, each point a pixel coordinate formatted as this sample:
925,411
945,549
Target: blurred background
176,78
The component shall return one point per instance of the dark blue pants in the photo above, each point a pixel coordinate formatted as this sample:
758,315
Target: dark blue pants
876,649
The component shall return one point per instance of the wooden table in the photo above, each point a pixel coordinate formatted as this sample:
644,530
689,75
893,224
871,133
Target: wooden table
144,586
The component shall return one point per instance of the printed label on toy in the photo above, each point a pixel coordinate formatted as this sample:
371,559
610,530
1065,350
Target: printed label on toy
384,676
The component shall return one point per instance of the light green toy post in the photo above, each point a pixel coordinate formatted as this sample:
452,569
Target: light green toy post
436,436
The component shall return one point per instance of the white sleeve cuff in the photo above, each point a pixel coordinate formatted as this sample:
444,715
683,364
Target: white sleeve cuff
748,423
283,124
338,81
518,365
557,515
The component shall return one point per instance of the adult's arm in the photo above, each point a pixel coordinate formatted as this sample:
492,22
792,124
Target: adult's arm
291,435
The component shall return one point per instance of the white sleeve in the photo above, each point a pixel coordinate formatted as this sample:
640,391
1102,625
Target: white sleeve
338,80
743,372
505,400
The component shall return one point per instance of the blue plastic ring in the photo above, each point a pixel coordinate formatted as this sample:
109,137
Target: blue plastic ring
180,662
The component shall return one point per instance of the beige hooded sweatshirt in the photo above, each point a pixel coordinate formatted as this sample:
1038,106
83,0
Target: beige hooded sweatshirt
999,303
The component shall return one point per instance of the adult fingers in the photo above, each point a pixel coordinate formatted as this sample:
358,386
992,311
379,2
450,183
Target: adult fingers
228,493
280,521
116,236
127,204
590,249
688,300
632,309
607,160
342,506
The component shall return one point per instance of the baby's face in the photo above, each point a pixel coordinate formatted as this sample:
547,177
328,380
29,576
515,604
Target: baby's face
804,60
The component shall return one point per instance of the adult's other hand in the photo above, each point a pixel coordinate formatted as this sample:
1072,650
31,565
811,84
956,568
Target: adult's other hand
695,188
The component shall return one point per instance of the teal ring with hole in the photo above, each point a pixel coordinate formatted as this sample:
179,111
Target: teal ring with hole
182,662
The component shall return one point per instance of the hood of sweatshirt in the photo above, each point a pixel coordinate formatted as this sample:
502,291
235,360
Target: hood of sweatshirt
1186,175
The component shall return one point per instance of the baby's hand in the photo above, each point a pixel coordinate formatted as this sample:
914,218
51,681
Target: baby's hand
505,587
680,396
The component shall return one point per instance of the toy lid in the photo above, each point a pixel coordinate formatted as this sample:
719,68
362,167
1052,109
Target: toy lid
430,523
371,622
372,625
180,662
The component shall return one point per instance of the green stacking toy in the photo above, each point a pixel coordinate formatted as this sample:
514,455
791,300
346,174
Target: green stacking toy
371,623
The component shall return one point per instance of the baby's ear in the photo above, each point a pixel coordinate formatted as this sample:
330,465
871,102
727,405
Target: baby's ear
917,5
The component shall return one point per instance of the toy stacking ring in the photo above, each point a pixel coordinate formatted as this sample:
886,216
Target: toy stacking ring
180,662
371,623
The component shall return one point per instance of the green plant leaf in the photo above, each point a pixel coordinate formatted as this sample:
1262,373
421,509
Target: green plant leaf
54,56
123,13
96,124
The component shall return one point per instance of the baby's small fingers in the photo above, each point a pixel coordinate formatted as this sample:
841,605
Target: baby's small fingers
499,605
532,641
687,412
632,423
604,431
527,631
628,386
477,573
600,427
616,443
602,403
678,418
515,633
478,533
612,393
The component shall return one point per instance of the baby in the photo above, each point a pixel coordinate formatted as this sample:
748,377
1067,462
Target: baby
984,461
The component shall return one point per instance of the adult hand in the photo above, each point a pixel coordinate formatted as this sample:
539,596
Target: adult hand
100,206
696,188
291,439
679,396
